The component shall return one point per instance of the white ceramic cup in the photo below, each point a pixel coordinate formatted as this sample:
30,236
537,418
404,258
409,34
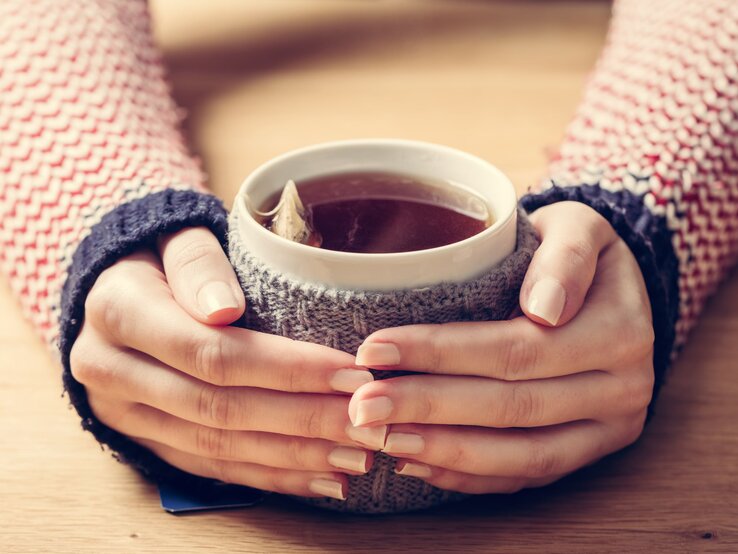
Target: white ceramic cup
457,262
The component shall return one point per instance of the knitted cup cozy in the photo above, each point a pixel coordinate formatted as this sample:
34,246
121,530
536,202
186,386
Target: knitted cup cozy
342,319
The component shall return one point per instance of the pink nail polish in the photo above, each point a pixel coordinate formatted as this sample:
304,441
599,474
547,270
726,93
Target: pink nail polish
373,409
327,487
404,443
547,299
373,437
349,380
371,354
352,459
414,469
216,296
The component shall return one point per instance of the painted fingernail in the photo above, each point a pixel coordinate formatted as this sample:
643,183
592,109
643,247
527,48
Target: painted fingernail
349,380
372,409
327,487
377,354
414,469
352,459
404,443
373,437
547,299
216,296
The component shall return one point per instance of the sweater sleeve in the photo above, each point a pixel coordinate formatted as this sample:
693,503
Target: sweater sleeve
92,162
653,147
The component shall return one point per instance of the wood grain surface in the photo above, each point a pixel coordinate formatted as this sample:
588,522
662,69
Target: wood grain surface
500,80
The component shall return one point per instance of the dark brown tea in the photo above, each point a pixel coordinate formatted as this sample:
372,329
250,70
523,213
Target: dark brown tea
370,212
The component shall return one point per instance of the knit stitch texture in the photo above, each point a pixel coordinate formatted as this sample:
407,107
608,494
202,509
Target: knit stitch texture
342,319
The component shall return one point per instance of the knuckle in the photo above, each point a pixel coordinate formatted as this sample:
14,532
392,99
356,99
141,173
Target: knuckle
637,337
579,251
540,462
644,336
519,407
92,371
428,408
104,307
214,443
293,377
458,459
80,361
312,421
215,407
222,470
295,454
435,348
273,480
208,359
636,393
517,357
191,255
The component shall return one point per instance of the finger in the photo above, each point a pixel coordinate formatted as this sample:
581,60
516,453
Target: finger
466,483
201,277
537,453
511,350
563,267
267,449
145,380
455,400
134,309
283,481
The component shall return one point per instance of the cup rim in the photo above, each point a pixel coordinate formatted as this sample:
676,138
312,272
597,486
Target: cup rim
304,249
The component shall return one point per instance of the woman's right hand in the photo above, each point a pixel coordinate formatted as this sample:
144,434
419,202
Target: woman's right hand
222,402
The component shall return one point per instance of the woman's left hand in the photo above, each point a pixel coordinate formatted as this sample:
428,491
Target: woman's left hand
507,405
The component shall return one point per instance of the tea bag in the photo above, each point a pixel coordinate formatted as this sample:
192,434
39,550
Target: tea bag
290,219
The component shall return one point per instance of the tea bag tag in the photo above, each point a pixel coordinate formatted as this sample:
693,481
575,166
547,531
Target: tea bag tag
290,219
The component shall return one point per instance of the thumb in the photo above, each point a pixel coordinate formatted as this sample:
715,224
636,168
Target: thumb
201,277
561,271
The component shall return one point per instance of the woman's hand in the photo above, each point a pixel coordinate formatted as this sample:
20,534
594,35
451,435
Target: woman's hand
220,402
521,403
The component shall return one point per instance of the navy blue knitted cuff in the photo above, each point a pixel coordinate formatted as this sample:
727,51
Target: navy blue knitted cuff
650,241
126,229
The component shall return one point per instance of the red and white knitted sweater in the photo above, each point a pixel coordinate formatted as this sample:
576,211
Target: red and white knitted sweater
93,165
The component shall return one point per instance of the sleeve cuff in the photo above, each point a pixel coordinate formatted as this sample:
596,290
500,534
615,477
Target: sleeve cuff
649,239
129,227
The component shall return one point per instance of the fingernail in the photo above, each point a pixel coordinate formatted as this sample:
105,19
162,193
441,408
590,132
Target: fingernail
352,459
377,354
404,443
547,299
216,296
373,409
414,469
327,487
349,380
373,437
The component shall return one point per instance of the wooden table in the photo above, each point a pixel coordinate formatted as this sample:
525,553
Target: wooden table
497,79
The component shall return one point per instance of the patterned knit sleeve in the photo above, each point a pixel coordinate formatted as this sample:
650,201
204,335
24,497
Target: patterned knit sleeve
92,167
654,148
92,162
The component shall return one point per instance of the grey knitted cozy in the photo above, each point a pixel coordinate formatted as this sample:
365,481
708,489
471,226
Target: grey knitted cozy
342,319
